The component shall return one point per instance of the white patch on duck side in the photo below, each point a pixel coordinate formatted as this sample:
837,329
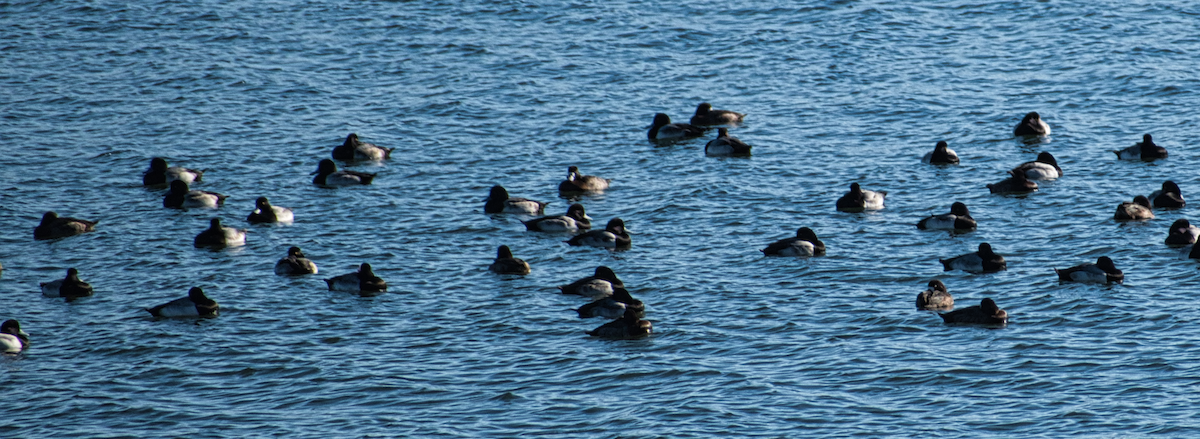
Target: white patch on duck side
181,307
798,248
346,282
50,289
201,200
1040,171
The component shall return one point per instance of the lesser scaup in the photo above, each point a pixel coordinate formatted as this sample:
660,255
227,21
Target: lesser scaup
982,261
959,218
986,313
53,226
1044,168
663,129
327,174
1145,150
936,297
859,199
1138,209
362,281
805,243
706,115
12,338
1169,197
1031,125
574,220
577,182
1016,183
69,287
941,155
1102,271
614,306
505,263
596,286
196,304
1181,233
295,264
614,235
498,201
217,236
726,145
354,149
627,327
264,212
179,196
160,174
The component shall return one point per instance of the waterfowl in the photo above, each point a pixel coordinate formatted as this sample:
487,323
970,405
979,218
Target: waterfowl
935,297
614,235
160,174
574,220
53,226
196,304
1044,168
1169,197
613,307
627,327
180,197
986,313
858,199
354,149
663,129
216,236
327,174
1102,271
597,286
69,287
12,338
264,212
1031,125
577,182
805,243
1017,183
498,201
1182,232
1138,209
982,261
726,145
1145,150
295,264
506,264
362,281
1194,253
959,218
706,115
941,155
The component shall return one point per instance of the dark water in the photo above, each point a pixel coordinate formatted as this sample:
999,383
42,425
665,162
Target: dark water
479,93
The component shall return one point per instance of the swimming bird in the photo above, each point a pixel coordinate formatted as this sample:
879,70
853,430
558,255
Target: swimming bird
935,297
574,220
53,226
986,313
354,149
614,235
941,155
595,287
1181,233
706,115
295,264
726,145
805,243
1102,271
12,338
613,307
858,199
179,196
1044,168
159,173
627,327
1145,150
1031,125
327,174
1017,183
663,129
217,236
982,261
264,212
1138,209
498,201
1169,197
577,182
196,304
362,281
505,263
959,218
69,287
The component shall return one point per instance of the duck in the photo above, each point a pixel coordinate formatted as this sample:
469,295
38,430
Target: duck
354,149
663,129
613,236
706,115
1032,125
217,236
1145,150
1017,183
69,287
327,174
613,307
196,304
160,174
595,287
858,199
1169,197
498,201
295,264
1102,271
1181,233
179,196
12,338
574,220
53,226
362,281
982,261
507,264
627,327
577,182
264,212
986,313
941,155
805,243
1044,168
1138,209
726,145
935,297
959,218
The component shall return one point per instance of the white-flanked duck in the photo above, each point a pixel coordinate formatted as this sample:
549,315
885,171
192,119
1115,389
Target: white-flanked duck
1016,183
54,226
160,174
1102,271
196,304
941,155
986,313
959,218
936,297
613,307
1138,209
498,201
264,212
1182,233
595,287
354,149
726,145
505,263
574,220
805,243
1145,150
327,174
362,281
627,327
706,115
859,199
12,338
1032,125
295,264
1169,197
218,236
179,196
613,236
577,182
982,261
69,287
1044,168
663,129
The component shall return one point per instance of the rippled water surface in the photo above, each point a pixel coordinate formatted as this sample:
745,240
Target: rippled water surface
473,94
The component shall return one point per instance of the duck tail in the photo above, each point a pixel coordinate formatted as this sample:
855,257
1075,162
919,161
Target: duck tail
945,264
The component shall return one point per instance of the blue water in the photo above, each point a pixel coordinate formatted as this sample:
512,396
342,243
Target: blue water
473,94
